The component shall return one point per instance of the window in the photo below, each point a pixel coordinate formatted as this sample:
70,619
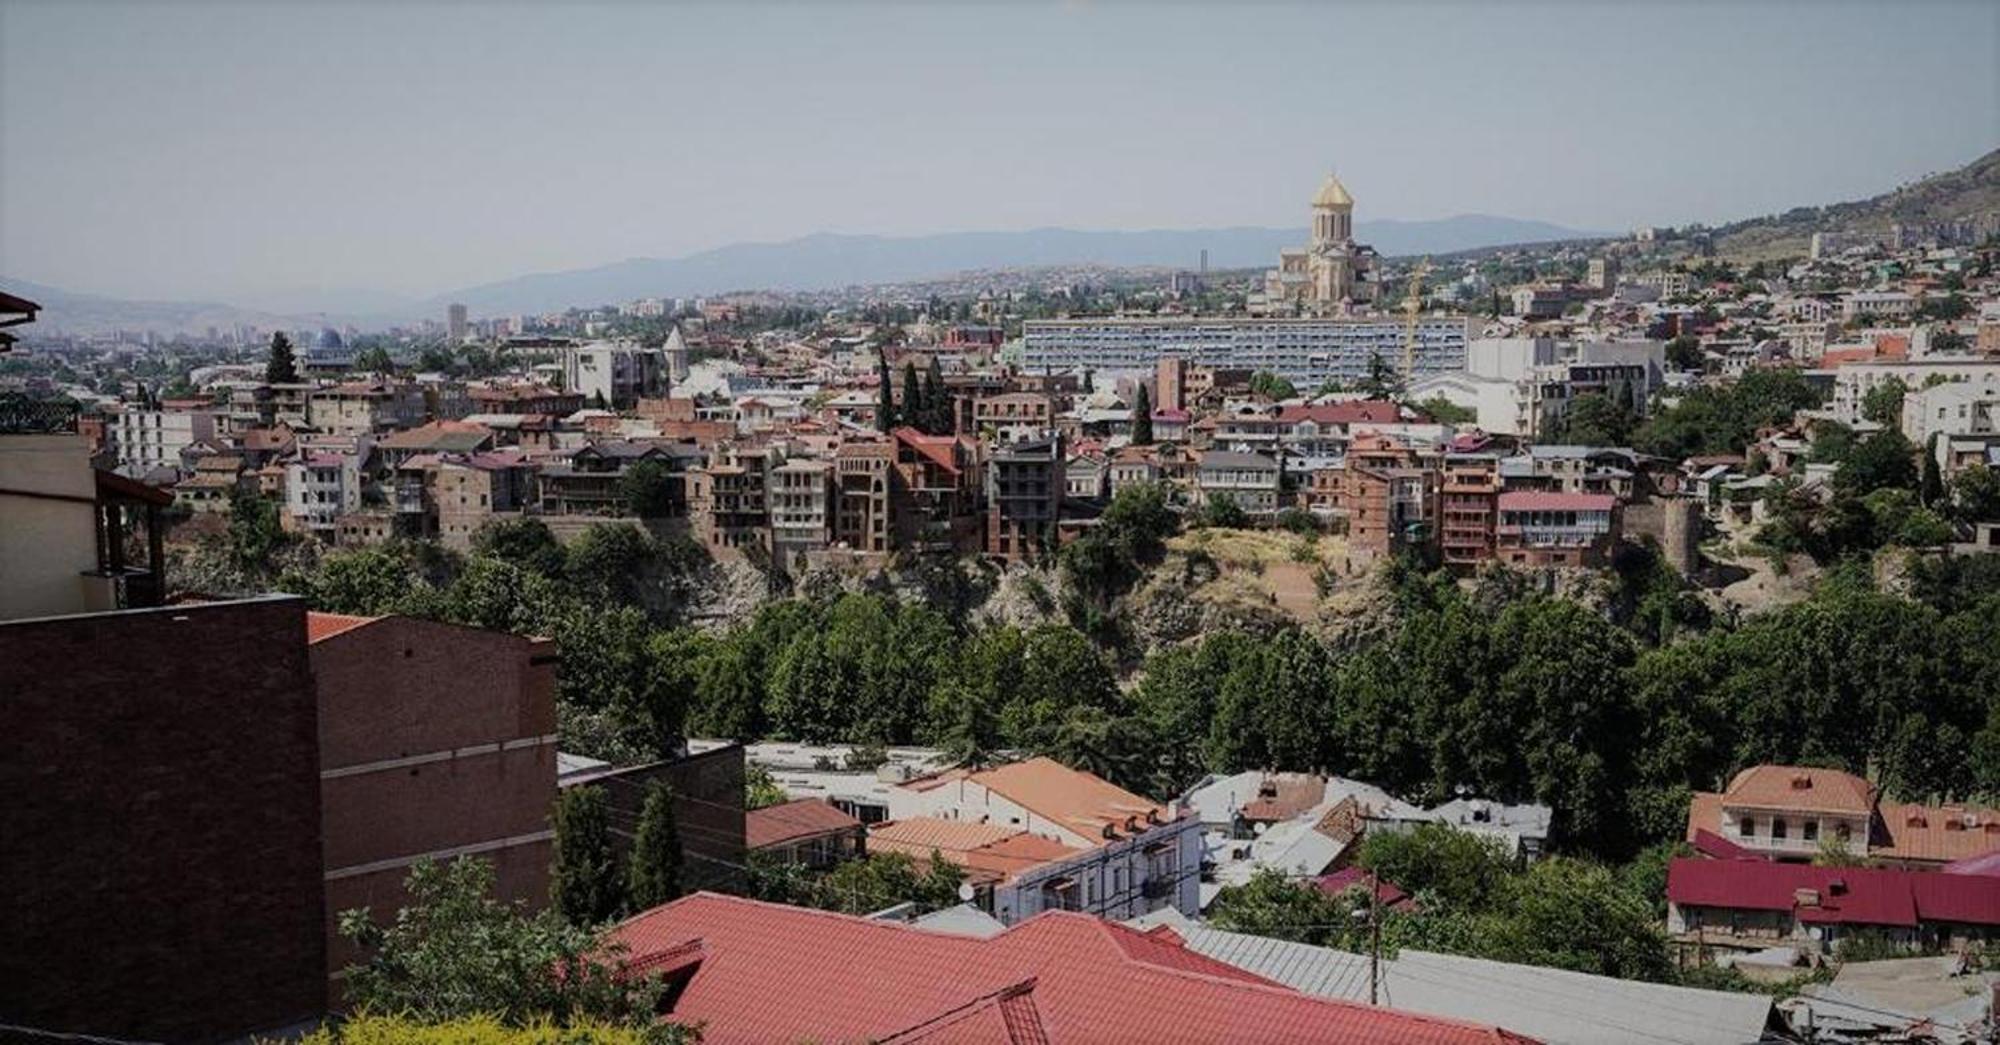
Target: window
1747,827
1811,831
1777,829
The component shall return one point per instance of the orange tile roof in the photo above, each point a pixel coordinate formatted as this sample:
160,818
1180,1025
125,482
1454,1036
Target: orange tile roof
788,821
1079,801
1936,833
987,852
760,972
1804,788
323,626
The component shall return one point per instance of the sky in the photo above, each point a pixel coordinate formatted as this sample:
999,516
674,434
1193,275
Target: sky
240,152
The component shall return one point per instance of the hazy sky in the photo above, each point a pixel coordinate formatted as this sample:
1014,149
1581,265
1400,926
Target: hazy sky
230,150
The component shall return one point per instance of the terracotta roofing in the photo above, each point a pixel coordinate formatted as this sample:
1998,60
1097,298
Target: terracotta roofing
1282,796
1549,501
1804,788
1839,895
1082,802
1708,843
987,852
936,447
1352,411
1934,833
439,436
788,821
323,626
1388,894
758,972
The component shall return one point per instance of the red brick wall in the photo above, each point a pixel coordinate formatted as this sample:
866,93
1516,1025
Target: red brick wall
161,819
461,716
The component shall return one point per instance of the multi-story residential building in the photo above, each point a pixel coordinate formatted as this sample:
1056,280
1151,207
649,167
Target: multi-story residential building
321,486
1468,507
523,399
1879,304
144,440
590,480
1013,416
614,374
1952,408
364,407
1249,481
1087,477
1792,812
1024,492
216,478
1853,381
455,326
863,474
1561,468
802,508
938,490
437,437
65,526
1555,529
1170,384
1540,301
435,740
1386,491
1042,836
1307,352
1602,274
728,500
469,491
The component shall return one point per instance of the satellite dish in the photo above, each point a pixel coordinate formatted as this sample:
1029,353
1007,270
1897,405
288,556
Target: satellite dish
965,891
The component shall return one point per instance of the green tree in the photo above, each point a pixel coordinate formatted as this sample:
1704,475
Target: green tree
1932,489
1222,512
1458,868
525,542
1883,404
453,952
375,359
1382,382
1270,904
1142,417
583,881
654,876
282,368
1595,419
1884,460
915,411
885,410
649,489
1271,386
759,790
1572,914
364,581
255,535
1975,494
1684,353
1446,412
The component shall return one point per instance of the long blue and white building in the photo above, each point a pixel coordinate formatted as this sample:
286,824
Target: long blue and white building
1306,352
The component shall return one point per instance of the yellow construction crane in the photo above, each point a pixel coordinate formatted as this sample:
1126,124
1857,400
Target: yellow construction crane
1413,305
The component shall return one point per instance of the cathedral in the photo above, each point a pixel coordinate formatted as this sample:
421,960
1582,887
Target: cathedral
1332,275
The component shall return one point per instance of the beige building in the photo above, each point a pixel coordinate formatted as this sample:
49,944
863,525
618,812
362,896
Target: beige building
1330,275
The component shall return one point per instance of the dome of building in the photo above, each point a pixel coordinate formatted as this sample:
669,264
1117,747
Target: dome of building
328,338
1332,194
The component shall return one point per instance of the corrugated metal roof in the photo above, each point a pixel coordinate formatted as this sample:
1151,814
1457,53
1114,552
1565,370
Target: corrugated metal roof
1555,1005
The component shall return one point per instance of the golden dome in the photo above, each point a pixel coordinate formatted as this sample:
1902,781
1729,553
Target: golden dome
1332,194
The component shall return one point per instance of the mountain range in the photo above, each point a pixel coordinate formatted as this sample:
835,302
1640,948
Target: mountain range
821,261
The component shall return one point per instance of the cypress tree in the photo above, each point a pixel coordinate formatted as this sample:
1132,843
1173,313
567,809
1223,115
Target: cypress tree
583,882
1932,491
937,402
1142,418
283,366
885,412
655,874
913,397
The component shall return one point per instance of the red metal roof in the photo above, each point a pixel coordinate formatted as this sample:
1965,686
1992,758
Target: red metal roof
323,626
774,973
1388,894
1846,895
1540,501
1710,844
799,818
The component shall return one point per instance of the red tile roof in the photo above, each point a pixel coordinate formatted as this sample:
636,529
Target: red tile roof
787,821
1806,788
771,973
1540,501
1845,895
1388,894
1352,411
323,626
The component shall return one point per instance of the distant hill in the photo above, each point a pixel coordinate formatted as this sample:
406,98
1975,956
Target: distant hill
70,312
1968,192
827,260
818,262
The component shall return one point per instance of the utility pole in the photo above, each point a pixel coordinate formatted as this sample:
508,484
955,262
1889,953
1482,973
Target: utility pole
1374,938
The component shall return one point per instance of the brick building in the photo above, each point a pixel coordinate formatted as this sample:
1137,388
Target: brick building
708,811
1024,496
163,815
436,741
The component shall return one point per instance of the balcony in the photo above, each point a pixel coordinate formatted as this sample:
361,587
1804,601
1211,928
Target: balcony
1157,888
21,415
